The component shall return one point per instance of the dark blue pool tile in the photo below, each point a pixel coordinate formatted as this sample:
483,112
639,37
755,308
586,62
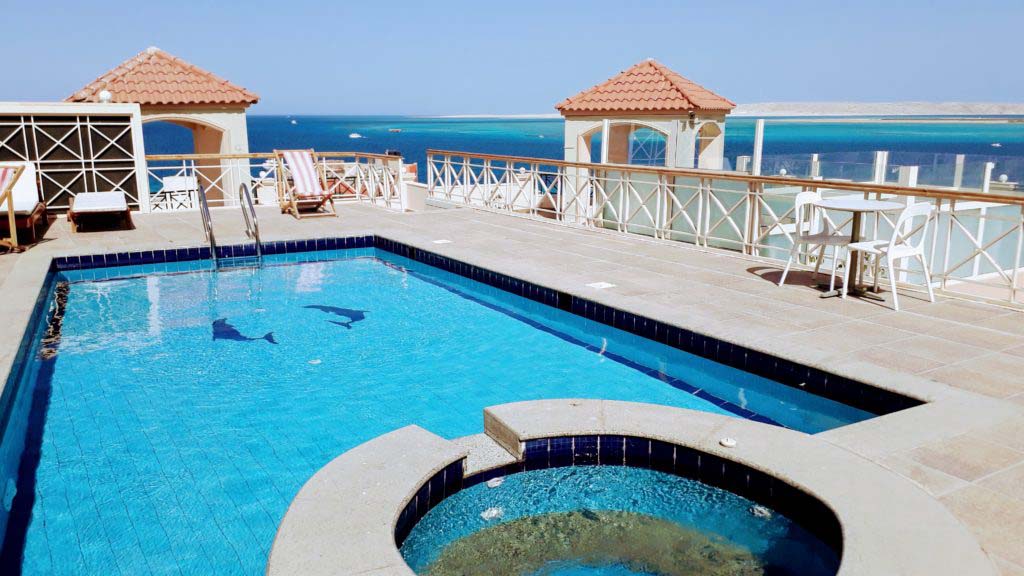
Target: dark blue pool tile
404,525
470,481
759,487
663,456
735,477
536,454
561,453
423,501
612,450
584,451
436,489
687,463
712,470
453,475
638,452
513,468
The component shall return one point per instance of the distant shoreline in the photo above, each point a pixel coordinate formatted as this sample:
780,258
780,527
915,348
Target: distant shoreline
879,109
833,109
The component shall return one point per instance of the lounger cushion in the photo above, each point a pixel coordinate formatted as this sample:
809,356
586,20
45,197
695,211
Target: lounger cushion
23,205
26,197
97,202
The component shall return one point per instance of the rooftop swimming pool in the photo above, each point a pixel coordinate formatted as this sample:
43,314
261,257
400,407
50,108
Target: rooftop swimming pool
166,420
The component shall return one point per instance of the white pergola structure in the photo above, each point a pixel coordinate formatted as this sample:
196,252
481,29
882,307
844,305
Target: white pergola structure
168,89
647,115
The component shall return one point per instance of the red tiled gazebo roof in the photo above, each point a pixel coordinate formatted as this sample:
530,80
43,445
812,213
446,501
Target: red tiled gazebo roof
646,88
155,78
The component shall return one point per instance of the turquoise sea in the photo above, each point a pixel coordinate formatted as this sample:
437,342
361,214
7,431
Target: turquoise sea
846,147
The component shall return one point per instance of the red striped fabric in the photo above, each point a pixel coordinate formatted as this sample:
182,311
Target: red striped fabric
307,181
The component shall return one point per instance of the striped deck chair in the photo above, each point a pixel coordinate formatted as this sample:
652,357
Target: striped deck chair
309,190
8,176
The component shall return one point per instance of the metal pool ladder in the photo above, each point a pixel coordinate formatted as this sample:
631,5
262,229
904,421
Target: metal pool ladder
204,213
252,224
252,230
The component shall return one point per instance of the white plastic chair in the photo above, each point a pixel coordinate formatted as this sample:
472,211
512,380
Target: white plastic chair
899,247
814,229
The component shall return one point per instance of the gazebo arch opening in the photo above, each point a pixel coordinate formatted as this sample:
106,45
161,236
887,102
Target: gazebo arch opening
710,149
629,142
185,135
168,137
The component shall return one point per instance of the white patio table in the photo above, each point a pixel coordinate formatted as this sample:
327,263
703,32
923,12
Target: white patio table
858,207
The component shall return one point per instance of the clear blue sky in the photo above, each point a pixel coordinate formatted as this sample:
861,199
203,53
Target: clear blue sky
439,57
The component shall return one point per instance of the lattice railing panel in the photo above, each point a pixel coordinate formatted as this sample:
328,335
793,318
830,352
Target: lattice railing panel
73,153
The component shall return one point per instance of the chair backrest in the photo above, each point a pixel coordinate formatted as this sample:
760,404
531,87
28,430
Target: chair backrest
6,177
25,192
806,213
180,184
904,232
304,172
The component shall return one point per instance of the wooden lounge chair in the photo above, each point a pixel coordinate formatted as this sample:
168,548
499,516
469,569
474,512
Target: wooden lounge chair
91,204
308,191
20,207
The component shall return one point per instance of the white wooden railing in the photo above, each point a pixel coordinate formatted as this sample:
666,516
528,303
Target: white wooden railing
974,249
175,179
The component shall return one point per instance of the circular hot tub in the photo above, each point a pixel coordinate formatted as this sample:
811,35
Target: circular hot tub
597,487
609,521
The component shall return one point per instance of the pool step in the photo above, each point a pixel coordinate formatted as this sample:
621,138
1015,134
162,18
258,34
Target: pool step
484,453
238,262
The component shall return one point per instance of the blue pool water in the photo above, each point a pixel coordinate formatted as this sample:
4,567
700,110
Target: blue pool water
779,546
161,441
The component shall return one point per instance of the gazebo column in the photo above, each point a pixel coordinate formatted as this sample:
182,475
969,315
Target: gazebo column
685,147
576,195
605,137
207,140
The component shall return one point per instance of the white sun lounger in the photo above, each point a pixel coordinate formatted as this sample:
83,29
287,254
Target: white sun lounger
309,190
90,203
24,194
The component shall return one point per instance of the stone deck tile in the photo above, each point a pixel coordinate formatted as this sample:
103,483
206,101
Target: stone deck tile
998,521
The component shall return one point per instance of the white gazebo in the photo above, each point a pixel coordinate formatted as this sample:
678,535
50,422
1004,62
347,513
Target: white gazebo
647,115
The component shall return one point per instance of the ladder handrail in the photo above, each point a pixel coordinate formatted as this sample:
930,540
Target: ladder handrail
204,212
252,224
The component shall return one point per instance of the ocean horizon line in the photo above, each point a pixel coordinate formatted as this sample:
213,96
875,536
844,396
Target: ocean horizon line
762,109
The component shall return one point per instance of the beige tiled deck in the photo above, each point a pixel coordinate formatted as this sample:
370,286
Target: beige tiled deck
965,359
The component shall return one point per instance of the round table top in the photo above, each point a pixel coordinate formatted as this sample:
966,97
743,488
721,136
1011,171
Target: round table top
858,204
